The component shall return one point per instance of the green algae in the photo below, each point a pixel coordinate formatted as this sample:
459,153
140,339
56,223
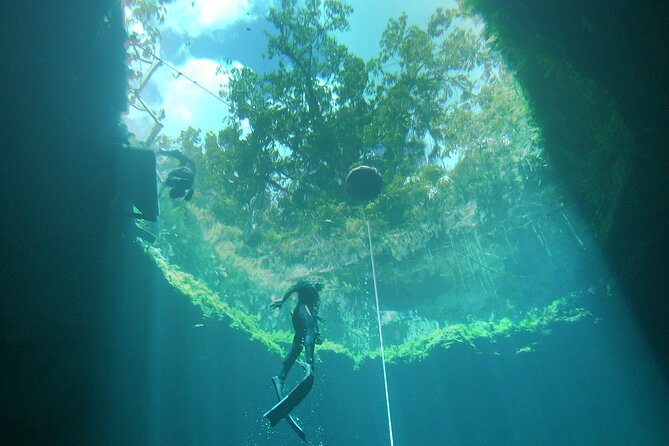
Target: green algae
471,333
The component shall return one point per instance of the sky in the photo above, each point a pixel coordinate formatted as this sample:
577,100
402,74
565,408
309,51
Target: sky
200,35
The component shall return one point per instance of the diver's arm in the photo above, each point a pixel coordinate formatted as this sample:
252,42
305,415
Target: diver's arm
286,295
291,290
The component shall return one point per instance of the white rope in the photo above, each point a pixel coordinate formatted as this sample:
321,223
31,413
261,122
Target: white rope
378,319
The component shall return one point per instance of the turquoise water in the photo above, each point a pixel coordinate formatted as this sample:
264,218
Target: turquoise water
99,348
583,384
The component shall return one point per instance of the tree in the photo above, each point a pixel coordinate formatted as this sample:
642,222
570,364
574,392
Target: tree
143,20
324,109
270,202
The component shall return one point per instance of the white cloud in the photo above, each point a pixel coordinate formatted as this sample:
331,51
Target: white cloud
184,102
139,123
197,17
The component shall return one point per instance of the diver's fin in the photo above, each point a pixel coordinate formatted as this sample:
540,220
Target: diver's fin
278,388
290,401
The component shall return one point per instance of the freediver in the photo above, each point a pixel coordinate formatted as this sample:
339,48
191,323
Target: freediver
305,322
180,179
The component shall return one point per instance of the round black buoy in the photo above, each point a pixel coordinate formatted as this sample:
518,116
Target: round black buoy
363,183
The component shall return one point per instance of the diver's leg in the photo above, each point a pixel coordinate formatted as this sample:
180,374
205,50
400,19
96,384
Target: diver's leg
319,337
305,333
309,325
173,181
292,355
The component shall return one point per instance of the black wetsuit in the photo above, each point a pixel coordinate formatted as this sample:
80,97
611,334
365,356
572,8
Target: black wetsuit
180,179
305,322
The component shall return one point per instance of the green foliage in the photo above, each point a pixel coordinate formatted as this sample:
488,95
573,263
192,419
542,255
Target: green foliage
325,109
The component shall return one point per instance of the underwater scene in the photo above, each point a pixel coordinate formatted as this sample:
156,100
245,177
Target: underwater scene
360,190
